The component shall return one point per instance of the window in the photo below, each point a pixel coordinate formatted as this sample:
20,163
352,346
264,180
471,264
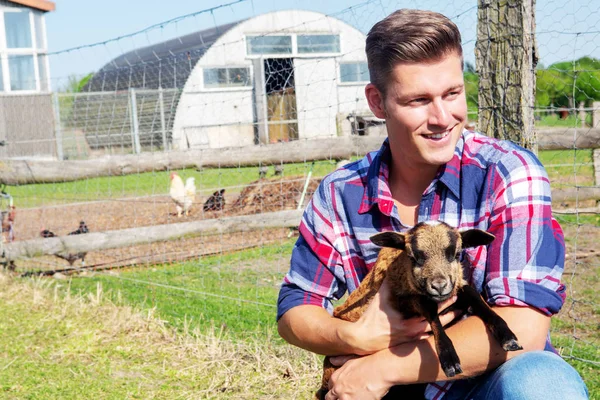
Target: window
226,77
318,43
269,44
354,72
39,31
18,30
22,72
23,51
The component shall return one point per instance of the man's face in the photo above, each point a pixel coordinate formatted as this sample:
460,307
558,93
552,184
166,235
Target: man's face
425,111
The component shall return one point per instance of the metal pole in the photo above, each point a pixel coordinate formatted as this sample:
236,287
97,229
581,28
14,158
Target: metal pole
135,129
162,119
57,128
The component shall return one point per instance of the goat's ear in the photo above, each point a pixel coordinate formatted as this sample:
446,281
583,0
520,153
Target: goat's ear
476,237
389,239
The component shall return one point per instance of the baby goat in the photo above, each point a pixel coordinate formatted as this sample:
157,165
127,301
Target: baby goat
423,269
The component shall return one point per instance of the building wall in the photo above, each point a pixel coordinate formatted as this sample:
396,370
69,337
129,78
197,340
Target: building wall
27,126
215,119
317,98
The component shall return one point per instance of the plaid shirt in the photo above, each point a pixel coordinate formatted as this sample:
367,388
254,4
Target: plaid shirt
489,184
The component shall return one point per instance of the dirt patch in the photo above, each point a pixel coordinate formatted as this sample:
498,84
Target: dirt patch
265,195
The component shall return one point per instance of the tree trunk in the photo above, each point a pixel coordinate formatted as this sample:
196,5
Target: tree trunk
505,60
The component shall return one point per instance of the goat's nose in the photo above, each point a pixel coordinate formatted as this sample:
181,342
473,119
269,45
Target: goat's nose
439,285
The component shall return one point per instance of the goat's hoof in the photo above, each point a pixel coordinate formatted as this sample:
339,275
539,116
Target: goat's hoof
511,345
449,361
451,365
321,393
452,370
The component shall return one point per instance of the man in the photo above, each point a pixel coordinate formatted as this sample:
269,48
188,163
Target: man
430,168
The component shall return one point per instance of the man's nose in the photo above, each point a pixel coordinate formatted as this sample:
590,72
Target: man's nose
439,114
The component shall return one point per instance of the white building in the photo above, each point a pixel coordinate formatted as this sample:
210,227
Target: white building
23,46
280,76
26,115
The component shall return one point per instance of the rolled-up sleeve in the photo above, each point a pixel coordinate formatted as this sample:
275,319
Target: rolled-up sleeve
526,260
311,278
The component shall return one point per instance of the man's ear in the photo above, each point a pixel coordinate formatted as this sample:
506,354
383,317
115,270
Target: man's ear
375,100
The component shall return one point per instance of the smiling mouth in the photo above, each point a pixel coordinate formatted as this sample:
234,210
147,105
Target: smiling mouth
438,136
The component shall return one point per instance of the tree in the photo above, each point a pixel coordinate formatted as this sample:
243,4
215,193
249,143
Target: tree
568,83
75,84
472,89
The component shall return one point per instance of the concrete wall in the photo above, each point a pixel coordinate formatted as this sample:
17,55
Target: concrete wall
27,126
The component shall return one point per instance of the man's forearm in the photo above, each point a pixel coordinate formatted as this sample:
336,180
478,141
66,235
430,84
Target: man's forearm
312,328
417,362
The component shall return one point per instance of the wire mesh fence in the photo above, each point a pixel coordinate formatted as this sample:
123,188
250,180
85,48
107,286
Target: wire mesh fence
244,81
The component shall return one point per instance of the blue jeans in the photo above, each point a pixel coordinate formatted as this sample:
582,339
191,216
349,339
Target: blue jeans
538,375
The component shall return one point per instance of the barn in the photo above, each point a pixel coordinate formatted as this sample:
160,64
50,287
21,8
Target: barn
276,77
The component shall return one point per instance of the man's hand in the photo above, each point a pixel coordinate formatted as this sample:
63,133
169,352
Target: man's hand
359,378
381,326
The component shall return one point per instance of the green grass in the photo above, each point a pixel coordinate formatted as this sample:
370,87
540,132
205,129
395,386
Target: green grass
578,220
73,347
555,121
237,291
147,183
568,168
589,372
549,157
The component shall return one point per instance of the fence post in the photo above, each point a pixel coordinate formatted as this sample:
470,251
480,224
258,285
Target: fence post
506,58
135,129
596,114
582,115
57,127
162,118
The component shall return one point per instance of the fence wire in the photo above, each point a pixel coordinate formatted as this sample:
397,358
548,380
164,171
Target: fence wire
225,82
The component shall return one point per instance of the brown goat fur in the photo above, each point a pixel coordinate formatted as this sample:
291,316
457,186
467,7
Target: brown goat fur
423,269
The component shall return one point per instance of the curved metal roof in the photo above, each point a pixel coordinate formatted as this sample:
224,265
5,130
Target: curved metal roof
167,64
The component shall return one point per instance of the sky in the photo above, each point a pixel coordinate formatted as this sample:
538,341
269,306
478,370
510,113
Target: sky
565,29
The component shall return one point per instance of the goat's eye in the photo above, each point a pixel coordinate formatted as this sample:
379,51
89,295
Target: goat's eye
418,258
418,261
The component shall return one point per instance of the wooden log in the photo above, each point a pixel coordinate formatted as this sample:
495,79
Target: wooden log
129,237
582,193
568,138
573,211
18,172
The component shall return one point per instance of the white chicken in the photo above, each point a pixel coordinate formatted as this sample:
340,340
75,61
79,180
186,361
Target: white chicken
182,195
